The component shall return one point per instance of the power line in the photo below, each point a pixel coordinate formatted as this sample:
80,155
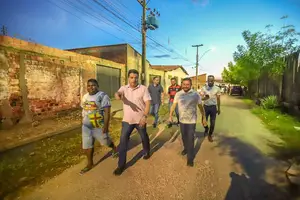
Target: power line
84,20
158,44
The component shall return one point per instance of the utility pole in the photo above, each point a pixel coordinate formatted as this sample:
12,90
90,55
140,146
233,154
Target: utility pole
197,60
145,27
4,30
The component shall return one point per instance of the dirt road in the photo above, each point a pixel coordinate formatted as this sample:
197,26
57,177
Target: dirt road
234,167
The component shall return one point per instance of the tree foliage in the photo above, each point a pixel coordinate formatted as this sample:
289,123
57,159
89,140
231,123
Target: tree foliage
263,53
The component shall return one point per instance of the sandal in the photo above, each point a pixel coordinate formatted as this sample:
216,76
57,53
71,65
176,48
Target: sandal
84,170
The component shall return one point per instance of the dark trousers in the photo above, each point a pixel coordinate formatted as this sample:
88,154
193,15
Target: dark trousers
188,138
211,112
124,140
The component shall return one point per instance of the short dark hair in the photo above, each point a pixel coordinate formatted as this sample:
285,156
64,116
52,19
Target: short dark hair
132,71
173,79
187,79
155,77
211,76
93,81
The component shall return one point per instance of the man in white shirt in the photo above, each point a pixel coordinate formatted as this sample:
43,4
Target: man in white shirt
211,96
187,100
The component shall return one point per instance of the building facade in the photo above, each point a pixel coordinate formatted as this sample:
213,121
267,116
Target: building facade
167,72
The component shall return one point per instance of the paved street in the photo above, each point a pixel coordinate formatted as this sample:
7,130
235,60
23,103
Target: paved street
234,167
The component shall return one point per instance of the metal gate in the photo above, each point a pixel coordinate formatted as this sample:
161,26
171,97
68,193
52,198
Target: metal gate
108,79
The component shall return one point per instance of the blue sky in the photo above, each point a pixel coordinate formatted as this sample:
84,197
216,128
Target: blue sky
214,23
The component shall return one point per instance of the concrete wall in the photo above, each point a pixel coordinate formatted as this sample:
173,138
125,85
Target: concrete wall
39,82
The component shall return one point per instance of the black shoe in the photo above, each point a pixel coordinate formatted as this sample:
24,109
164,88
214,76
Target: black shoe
210,138
146,156
154,125
118,171
190,163
183,152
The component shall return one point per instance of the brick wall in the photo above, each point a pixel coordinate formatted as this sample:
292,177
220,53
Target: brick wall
37,82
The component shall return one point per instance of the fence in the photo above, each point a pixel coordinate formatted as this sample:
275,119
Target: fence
285,87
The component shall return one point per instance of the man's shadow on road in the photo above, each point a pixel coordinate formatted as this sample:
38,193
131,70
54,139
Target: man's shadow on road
199,138
255,165
242,187
134,141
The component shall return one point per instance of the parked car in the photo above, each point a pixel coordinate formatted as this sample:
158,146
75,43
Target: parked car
236,90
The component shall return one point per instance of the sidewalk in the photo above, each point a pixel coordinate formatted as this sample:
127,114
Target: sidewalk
23,134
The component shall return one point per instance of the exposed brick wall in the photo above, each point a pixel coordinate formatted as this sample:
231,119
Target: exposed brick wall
53,81
10,91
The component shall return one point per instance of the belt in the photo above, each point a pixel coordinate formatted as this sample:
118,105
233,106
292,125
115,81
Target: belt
210,105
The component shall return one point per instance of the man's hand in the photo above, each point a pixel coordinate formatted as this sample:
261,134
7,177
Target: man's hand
118,96
143,121
219,111
204,122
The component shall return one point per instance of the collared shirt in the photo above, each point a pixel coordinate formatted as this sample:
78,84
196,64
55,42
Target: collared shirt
93,109
155,93
173,89
187,106
213,93
134,102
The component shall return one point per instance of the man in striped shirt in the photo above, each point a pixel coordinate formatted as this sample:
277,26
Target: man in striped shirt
173,89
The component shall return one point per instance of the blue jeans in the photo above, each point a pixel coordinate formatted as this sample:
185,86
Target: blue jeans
176,110
124,141
154,112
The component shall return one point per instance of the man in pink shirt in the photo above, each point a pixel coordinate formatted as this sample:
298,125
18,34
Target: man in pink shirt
136,105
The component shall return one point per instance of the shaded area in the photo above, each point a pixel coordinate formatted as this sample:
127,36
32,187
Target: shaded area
36,162
255,166
199,137
242,187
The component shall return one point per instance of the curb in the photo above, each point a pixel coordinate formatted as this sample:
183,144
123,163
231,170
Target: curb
36,138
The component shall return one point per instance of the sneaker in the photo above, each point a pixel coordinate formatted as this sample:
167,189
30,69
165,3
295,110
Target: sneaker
118,171
183,153
146,156
190,163
210,138
154,125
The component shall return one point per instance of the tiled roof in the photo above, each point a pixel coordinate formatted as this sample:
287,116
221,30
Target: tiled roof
167,68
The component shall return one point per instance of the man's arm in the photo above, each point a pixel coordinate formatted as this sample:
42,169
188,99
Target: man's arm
106,119
201,108
147,100
173,109
219,101
162,95
119,94
105,105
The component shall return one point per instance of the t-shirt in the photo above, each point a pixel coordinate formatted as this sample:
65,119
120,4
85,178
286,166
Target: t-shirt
213,92
173,89
187,106
155,93
134,102
93,109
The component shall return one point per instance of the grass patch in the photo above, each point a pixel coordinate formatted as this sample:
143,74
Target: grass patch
284,126
34,163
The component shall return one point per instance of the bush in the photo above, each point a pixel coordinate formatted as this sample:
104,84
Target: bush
269,102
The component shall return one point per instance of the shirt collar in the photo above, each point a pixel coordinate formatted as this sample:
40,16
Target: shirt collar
128,86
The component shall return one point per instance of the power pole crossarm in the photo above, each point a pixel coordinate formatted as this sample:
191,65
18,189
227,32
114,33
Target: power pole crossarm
197,64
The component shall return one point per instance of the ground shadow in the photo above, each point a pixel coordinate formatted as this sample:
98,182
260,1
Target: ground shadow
134,141
255,165
242,187
199,136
